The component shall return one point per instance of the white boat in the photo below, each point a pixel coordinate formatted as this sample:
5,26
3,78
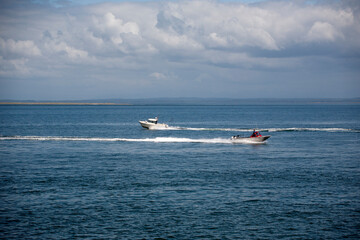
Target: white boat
152,123
250,139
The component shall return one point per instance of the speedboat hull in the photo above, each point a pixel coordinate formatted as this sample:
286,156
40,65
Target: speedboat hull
149,125
251,139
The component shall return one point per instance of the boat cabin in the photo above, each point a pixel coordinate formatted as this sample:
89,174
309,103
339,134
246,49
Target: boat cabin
153,120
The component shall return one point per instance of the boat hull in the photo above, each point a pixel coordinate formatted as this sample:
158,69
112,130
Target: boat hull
148,125
251,139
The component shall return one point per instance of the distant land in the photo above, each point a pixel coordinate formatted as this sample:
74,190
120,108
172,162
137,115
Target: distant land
192,101
58,103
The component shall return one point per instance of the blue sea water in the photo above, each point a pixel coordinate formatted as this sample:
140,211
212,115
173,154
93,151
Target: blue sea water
92,172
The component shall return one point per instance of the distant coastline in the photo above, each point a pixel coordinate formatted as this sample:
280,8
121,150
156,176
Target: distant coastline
189,101
62,103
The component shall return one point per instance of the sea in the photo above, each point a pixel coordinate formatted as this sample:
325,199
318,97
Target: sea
92,172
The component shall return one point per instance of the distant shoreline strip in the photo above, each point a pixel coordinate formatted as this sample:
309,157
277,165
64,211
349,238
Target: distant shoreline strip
63,103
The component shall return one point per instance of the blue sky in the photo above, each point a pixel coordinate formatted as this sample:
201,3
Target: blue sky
70,50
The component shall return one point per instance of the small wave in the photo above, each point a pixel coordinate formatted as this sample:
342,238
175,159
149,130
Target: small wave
205,129
309,130
155,140
292,129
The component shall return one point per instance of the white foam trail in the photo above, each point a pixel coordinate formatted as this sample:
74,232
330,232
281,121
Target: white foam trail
292,129
156,140
308,130
204,129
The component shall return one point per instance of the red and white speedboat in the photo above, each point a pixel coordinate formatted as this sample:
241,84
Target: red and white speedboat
250,139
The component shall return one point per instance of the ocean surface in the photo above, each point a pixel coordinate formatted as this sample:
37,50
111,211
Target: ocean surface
92,172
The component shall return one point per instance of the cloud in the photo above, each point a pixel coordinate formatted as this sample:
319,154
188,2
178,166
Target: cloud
129,40
62,47
17,66
20,48
323,31
113,27
158,76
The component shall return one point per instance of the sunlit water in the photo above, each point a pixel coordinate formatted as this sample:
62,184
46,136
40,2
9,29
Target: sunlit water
93,172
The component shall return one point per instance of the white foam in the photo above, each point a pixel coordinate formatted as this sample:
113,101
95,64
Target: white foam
203,129
308,129
291,129
155,140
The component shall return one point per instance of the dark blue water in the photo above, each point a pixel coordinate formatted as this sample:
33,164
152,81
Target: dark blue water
92,172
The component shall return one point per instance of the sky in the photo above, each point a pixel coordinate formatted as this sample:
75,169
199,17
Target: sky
77,50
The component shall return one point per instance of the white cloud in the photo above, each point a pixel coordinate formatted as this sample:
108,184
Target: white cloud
14,67
188,29
181,37
158,76
63,48
323,31
218,40
114,27
22,48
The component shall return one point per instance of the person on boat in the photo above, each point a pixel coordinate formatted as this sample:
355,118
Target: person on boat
255,134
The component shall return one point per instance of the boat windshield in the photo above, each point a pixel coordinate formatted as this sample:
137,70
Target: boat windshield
152,120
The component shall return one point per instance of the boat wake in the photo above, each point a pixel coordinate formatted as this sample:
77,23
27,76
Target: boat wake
309,130
263,130
155,140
